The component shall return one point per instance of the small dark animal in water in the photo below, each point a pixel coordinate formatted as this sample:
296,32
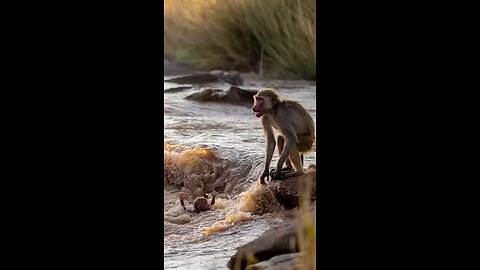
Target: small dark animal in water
200,204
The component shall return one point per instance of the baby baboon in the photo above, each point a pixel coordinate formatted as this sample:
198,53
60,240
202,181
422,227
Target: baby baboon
200,204
295,129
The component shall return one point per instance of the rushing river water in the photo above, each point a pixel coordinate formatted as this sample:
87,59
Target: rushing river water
219,146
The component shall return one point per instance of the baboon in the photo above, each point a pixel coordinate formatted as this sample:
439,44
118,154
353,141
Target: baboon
200,204
295,129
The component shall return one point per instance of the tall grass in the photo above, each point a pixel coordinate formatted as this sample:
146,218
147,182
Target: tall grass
276,38
307,236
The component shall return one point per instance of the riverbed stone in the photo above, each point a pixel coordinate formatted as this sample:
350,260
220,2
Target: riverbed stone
196,78
288,191
206,94
241,96
235,95
177,89
230,77
276,241
291,261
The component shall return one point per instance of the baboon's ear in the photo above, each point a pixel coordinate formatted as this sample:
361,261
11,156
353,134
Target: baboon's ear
275,99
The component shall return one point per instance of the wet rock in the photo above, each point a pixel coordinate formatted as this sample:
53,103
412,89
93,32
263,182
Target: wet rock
288,191
234,95
207,94
282,262
230,77
197,78
276,241
177,89
239,95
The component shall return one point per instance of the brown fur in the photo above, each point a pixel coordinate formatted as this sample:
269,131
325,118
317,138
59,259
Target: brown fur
200,204
294,125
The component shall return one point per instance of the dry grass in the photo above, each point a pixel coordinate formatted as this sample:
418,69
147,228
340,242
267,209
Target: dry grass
275,37
307,232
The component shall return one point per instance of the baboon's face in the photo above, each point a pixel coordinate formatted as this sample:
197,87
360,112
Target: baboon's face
260,104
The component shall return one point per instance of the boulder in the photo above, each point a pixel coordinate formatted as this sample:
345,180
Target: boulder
276,241
177,89
206,94
230,77
197,78
234,95
241,96
291,261
288,191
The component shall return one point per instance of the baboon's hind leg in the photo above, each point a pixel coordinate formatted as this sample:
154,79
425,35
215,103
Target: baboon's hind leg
281,144
296,159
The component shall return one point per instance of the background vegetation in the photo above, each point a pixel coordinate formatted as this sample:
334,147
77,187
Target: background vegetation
276,38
